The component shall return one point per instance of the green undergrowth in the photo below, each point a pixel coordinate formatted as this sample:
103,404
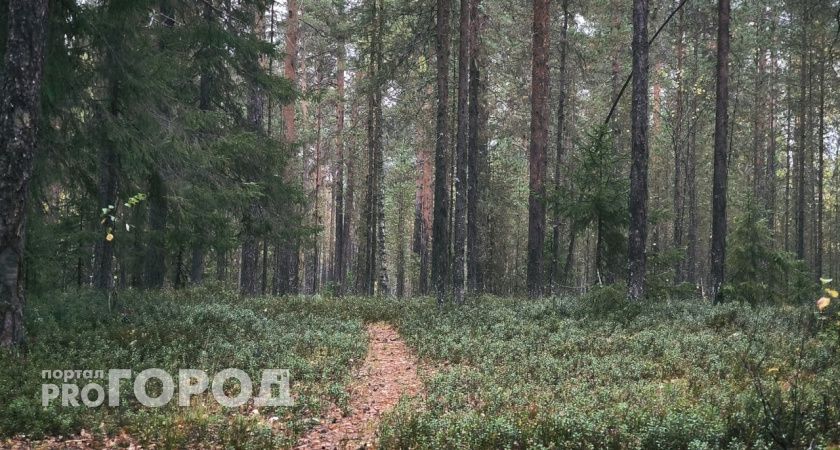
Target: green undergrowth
587,374
590,372
208,329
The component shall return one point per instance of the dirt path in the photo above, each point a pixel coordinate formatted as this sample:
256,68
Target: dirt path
388,372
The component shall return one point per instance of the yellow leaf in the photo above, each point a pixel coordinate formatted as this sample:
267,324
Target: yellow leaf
773,370
109,237
823,303
832,293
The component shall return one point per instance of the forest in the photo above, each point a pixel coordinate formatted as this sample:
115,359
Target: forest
455,224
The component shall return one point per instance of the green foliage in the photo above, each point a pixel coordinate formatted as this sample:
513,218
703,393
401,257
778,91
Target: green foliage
759,274
208,329
586,373
589,372
597,196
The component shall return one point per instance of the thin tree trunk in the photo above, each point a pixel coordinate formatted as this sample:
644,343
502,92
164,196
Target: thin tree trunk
638,169
440,238
477,144
538,147
155,258
400,247
818,257
718,247
197,264
788,170
19,117
771,184
381,270
679,154
249,258
340,219
560,156
802,135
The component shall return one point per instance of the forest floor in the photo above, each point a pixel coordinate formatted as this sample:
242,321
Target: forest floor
567,372
389,371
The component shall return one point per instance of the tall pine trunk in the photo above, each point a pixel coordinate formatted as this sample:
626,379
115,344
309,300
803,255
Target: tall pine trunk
19,116
249,257
460,226
287,263
679,153
440,225
637,264
477,145
340,219
556,249
538,147
719,181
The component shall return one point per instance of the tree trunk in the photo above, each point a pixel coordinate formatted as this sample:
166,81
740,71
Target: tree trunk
424,198
770,174
638,169
440,238
197,264
460,226
679,154
339,252
19,117
249,259
401,207
560,156
155,258
818,257
538,147
289,251
718,246
802,136
379,167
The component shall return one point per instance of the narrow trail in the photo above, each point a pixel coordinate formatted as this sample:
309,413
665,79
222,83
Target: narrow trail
388,372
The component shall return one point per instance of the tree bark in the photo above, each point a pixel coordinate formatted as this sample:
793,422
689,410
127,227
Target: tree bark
818,256
440,238
424,198
679,153
19,117
460,226
340,219
249,258
637,255
802,138
289,244
560,155
477,146
538,147
719,182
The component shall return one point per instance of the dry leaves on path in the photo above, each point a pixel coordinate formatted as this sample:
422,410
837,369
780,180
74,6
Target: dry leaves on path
388,372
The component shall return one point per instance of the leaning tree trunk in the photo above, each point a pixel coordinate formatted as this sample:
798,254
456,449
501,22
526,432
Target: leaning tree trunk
636,250
538,147
440,238
718,248
19,116
460,226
